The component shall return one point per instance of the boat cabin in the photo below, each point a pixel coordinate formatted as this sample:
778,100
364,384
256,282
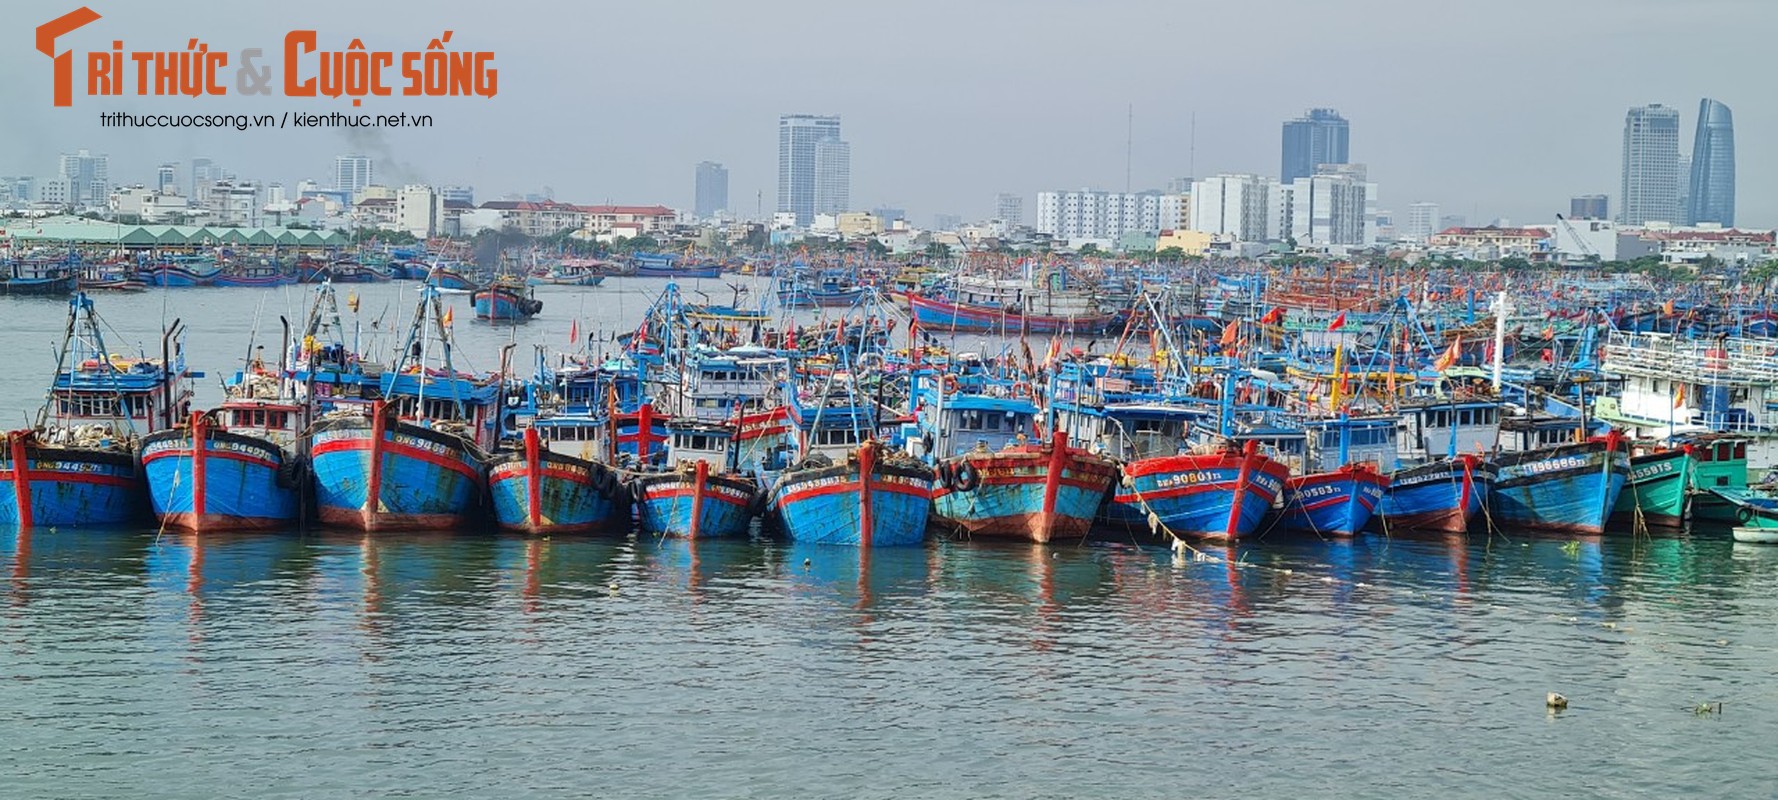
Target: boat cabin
1337,442
1434,429
691,442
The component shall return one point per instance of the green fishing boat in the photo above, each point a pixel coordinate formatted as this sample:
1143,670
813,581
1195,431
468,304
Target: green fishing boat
1658,491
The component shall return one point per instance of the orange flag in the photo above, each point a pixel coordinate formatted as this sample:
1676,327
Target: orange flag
1679,399
1230,332
447,318
1450,356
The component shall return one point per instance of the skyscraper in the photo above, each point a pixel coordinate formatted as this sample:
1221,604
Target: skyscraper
1318,137
351,173
712,190
1010,209
833,176
1649,189
798,135
88,177
1712,196
1422,222
1588,206
166,179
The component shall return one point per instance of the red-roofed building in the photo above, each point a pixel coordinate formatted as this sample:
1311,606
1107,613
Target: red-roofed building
647,219
1491,242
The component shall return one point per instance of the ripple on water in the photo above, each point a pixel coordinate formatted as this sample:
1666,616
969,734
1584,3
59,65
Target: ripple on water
418,666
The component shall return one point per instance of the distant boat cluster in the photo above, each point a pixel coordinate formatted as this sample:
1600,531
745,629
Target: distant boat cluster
1324,402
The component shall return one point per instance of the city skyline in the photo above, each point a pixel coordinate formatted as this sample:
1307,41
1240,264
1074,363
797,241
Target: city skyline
1468,157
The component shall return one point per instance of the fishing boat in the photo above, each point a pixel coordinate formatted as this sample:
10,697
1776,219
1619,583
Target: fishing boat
505,300
1012,307
539,491
450,280
1042,493
1568,488
37,278
1351,458
571,272
1718,462
76,465
666,265
871,498
1446,478
252,275
846,488
701,494
180,272
830,289
414,463
1659,491
992,481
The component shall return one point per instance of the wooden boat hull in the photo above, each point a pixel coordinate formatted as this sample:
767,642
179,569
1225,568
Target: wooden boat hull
1660,486
861,503
538,492
67,486
1564,489
501,304
695,503
1337,503
380,474
937,315
1214,496
1029,493
235,482
1441,497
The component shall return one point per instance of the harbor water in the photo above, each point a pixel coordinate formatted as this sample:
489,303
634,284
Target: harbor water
153,664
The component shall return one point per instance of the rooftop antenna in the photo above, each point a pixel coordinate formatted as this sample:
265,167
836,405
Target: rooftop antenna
1191,159
1129,142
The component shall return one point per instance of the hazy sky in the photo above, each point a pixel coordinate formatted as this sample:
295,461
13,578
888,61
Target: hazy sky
1488,108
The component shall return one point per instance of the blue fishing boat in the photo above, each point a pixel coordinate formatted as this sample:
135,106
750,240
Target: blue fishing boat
1349,458
206,478
414,463
860,501
1448,479
252,275
505,300
831,288
540,491
701,494
992,480
1567,488
180,272
75,466
665,265
235,467
36,277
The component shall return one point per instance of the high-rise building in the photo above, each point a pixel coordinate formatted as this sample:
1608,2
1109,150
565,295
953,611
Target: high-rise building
1422,222
1649,189
166,179
351,173
800,171
1320,136
88,177
203,173
1010,208
1233,205
1589,206
1087,214
712,190
416,210
833,176
1712,196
